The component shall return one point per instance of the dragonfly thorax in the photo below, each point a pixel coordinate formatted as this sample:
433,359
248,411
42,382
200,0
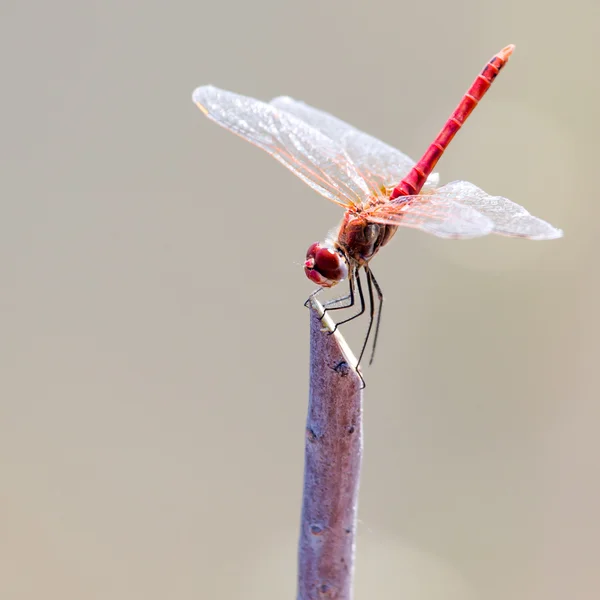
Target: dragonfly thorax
325,264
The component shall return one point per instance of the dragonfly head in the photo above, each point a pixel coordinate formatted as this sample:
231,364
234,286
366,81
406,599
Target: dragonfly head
325,264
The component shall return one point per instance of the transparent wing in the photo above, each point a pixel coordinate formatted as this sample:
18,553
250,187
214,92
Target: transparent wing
383,164
508,217
433,214
310,154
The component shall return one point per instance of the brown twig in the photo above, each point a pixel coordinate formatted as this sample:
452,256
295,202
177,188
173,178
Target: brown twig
332,459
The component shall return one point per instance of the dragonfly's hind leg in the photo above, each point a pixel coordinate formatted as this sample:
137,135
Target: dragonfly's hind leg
378,321
371,314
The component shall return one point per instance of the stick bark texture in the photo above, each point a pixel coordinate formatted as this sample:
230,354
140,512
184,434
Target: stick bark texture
332,460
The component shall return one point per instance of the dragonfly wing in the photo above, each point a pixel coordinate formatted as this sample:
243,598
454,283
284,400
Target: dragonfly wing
433,214
384,165
308,153
509,218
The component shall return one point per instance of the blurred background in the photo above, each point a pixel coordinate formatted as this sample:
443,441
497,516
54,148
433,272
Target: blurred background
154,343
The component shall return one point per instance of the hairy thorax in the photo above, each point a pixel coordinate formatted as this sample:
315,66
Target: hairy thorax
360,239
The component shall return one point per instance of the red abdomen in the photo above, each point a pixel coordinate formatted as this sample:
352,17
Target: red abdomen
415,180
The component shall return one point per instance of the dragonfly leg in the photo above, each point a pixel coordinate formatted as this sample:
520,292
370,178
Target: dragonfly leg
313,295
371,313
329,304
354,281
378,321
337,303
355,277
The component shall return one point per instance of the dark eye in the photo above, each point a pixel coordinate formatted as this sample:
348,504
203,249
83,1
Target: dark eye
327,261
312,250
325,266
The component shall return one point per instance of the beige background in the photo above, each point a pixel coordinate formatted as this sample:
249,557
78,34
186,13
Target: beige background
153,339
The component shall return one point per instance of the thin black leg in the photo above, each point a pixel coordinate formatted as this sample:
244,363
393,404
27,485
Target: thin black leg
350,296
378,322
362,301
317,291
371,314
329,304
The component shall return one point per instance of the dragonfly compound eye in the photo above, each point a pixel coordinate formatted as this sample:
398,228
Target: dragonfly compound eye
324,265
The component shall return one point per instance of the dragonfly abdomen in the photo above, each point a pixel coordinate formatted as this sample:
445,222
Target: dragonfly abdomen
417,176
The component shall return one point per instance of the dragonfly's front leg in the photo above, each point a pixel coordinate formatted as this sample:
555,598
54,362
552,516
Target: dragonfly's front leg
347,301
329,305
313,295
355,279
338,303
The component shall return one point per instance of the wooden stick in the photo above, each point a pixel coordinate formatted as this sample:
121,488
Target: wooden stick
332,458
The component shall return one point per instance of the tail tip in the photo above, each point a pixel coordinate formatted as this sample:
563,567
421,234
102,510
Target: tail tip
506,52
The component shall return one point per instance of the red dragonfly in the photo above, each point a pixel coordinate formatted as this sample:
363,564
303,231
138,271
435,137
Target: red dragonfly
380,187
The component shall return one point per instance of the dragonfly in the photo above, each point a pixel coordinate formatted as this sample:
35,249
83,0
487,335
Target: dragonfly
380,188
